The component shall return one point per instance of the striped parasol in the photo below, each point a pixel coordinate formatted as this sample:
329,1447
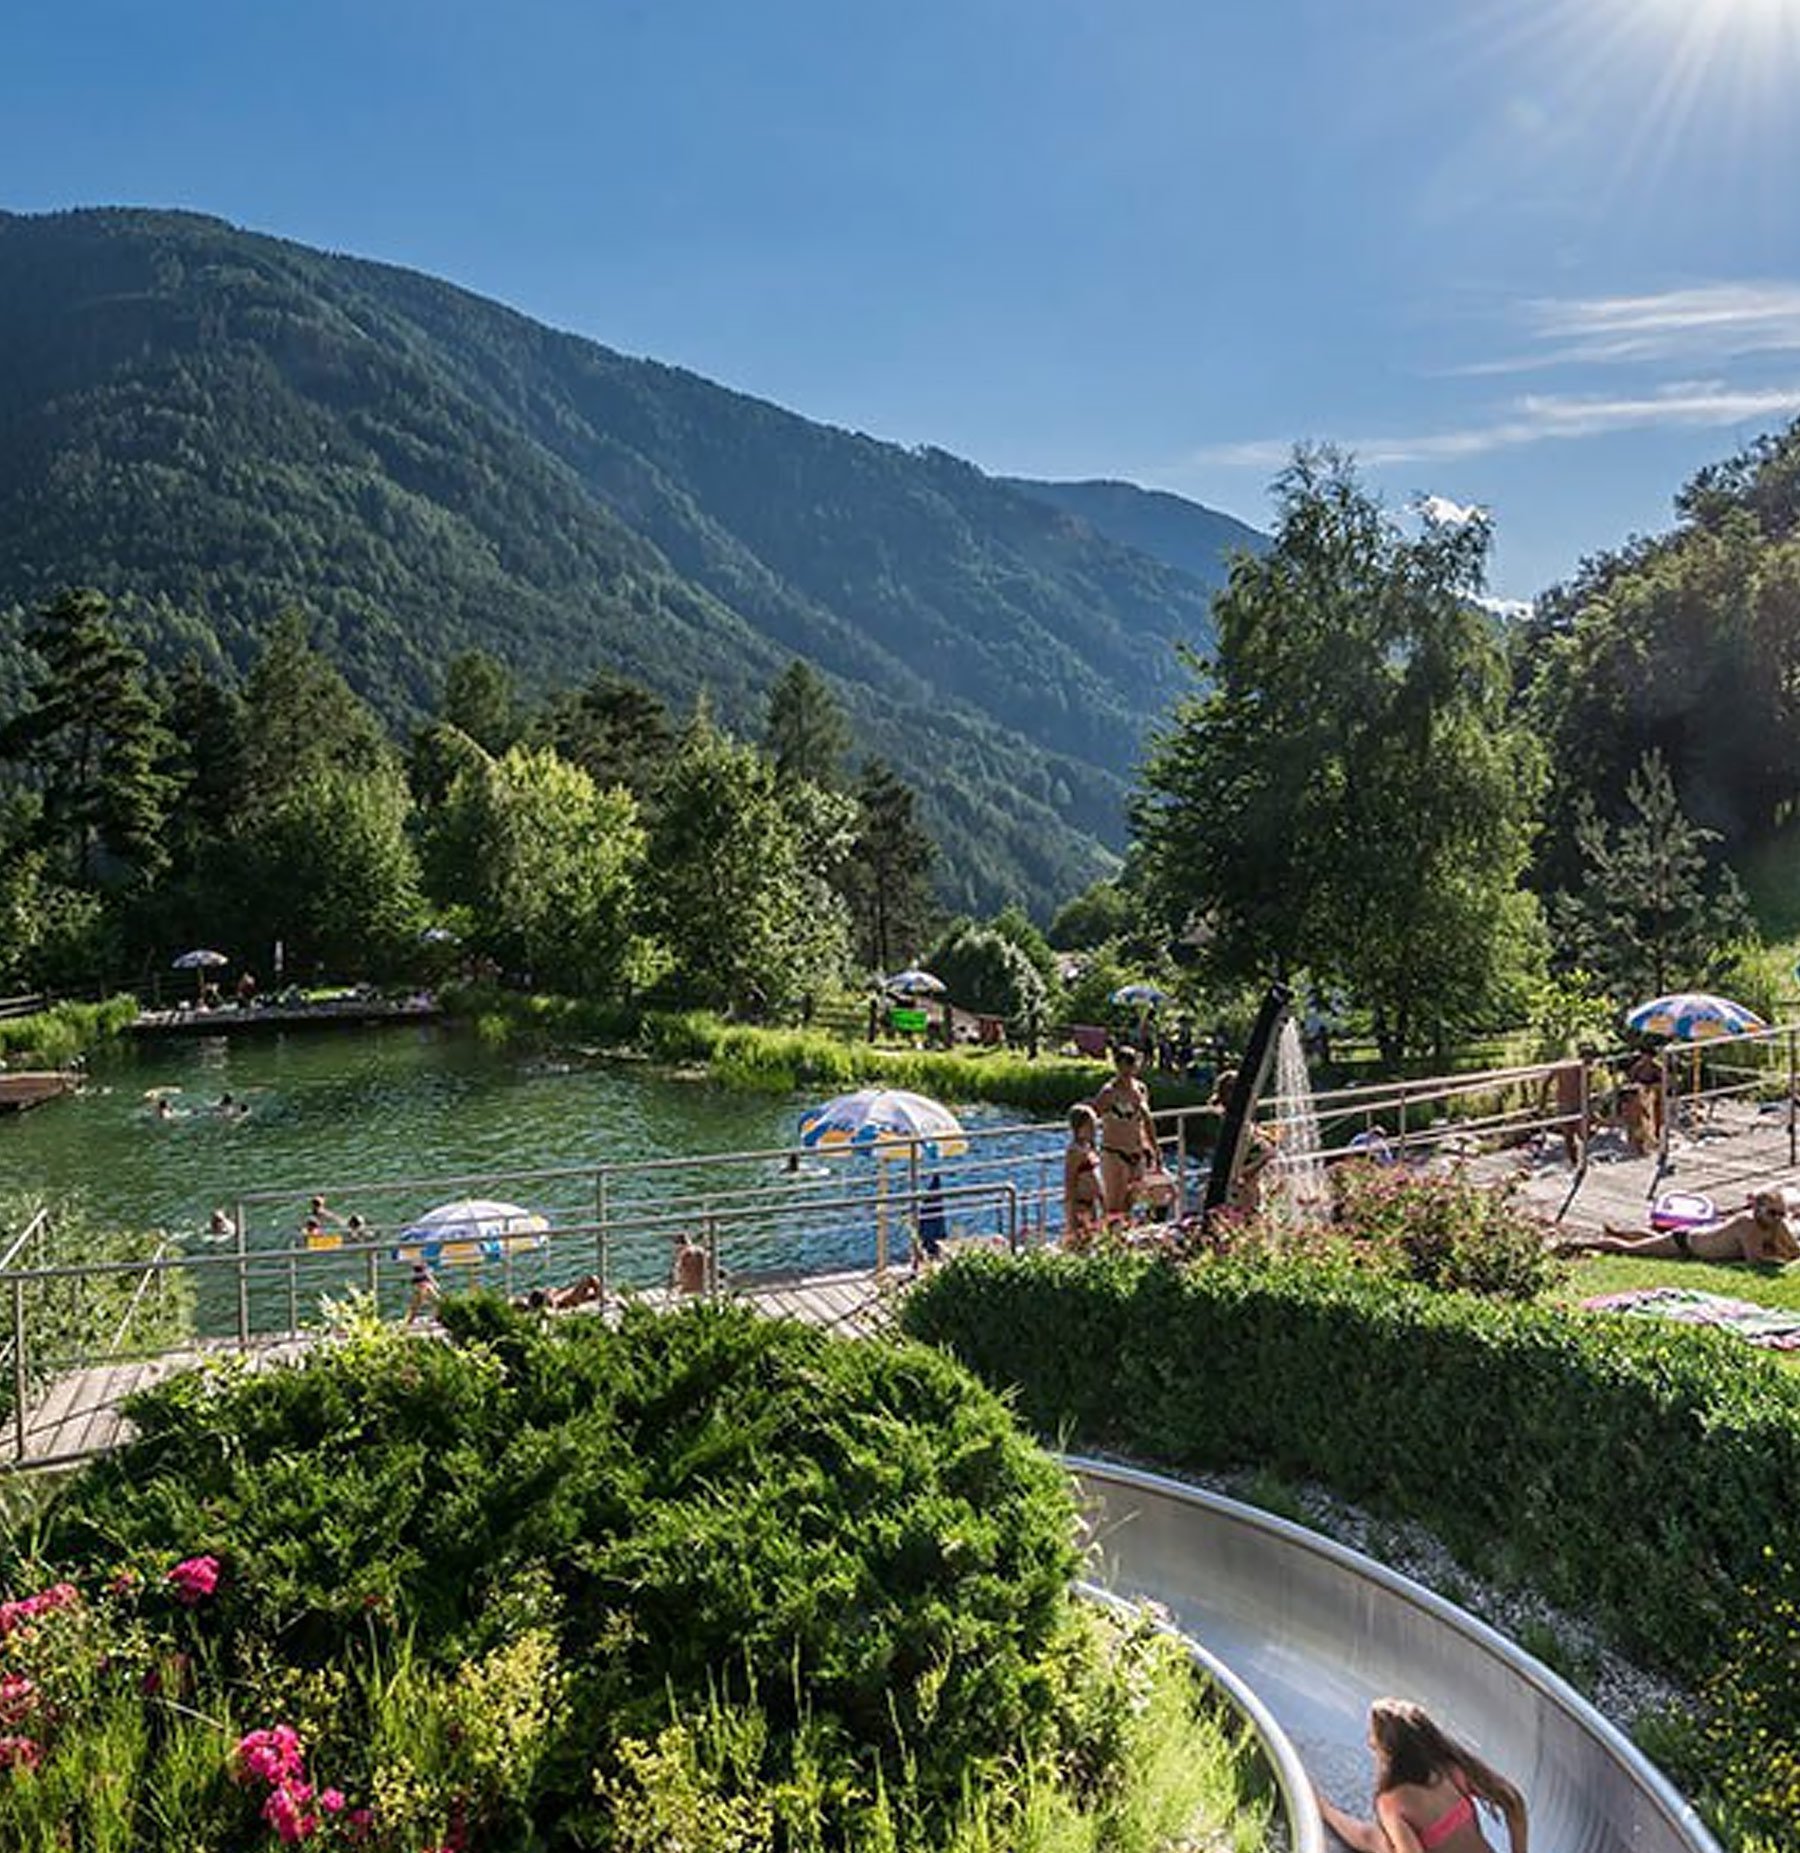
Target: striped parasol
874,1118
1692,1016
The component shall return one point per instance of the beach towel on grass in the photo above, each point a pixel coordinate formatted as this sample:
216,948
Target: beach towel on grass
1772,1327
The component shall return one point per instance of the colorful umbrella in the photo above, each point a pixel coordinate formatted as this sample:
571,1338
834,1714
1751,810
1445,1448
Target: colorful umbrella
1139,994
202,958
914,983
1692,1016
469,1231
874,1118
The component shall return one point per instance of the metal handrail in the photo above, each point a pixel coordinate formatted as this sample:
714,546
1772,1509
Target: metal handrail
151,1274
1306,1826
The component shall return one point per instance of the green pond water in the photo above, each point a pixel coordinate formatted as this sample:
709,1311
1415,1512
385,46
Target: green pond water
377,1118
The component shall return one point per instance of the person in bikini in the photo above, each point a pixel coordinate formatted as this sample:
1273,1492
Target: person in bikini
1759,1234
1128,1145
1426,1788
1084,1200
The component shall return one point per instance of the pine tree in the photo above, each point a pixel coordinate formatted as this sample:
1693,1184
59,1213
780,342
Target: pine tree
1652,915
806,734
92,741
887,880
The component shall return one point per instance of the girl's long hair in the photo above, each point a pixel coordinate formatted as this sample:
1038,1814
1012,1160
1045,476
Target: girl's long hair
1414,1749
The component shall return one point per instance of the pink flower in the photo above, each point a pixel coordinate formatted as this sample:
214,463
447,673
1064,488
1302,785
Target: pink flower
272,1756
194,1579
20,1753
17,1697
332,1801
285,1811
14,1615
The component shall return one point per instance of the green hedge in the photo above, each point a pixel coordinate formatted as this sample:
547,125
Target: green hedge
1624,1470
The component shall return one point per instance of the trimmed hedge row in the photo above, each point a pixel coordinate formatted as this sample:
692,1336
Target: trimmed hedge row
1625,1470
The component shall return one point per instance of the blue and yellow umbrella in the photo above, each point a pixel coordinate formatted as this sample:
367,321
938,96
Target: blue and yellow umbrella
1692,1016
469,1231
887,1121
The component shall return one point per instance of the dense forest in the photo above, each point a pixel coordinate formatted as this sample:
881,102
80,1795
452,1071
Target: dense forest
213,428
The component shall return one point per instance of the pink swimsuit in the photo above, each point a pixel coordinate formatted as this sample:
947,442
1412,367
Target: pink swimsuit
1459,1813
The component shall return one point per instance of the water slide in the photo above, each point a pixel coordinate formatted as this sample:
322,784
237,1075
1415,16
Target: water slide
1315,1631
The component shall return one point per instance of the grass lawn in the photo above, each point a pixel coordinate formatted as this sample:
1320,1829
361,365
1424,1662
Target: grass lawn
1590,1275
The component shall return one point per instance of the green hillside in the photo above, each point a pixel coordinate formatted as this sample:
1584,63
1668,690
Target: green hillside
1183,534
212,426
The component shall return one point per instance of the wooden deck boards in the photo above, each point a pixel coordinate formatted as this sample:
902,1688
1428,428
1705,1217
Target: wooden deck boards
81,1413
1732,1151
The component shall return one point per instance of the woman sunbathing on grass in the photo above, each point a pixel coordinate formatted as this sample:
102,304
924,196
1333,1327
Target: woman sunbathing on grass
1759,1234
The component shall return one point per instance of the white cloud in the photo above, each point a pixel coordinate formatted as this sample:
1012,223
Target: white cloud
1514,610
1709,323
1440,510
1535,417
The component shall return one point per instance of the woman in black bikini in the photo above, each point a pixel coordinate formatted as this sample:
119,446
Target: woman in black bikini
1127,1132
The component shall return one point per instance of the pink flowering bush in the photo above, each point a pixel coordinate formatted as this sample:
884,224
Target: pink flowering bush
194,1579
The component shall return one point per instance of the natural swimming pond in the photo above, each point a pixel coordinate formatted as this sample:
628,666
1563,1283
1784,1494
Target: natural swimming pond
374,1117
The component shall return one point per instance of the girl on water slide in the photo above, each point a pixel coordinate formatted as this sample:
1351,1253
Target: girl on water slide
1426,1788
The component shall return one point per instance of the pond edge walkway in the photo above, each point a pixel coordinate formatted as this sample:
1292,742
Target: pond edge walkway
81,1413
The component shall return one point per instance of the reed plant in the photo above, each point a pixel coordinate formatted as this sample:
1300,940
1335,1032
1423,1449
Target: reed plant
59,1036
76,1319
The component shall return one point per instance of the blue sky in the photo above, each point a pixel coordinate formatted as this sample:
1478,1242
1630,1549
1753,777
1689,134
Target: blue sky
1542,255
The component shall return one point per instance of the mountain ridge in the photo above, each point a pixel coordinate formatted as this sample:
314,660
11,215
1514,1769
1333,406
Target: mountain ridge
213,425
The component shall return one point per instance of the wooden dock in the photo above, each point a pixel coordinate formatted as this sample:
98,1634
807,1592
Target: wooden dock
260,1019
82,1413
1729,1149
28,1087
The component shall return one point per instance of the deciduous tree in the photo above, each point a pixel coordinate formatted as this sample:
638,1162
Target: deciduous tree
1346,794
747,922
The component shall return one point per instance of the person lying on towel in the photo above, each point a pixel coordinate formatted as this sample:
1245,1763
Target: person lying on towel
1759,1234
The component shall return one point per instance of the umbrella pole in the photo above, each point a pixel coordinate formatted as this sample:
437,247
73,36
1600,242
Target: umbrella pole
1663,1165
881,1233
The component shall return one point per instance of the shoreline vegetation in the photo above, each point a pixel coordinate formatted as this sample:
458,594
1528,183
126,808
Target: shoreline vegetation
752,1057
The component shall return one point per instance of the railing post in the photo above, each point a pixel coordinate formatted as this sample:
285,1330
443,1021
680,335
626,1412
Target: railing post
243,1278
293,1292
712,1256
372,1263
602,1239
1792,1159
20,1373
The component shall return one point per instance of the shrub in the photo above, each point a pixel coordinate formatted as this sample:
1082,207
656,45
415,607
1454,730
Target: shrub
700,1560
1746,1736
1637,1470
56,1037
1446,1231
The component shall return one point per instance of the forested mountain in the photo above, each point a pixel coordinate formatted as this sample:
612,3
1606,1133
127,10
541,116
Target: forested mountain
212,426
1183,534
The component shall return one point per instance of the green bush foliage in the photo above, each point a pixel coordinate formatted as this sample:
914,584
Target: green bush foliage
1636,1472
583,1586
53,1038
1443,1230
1746,1735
